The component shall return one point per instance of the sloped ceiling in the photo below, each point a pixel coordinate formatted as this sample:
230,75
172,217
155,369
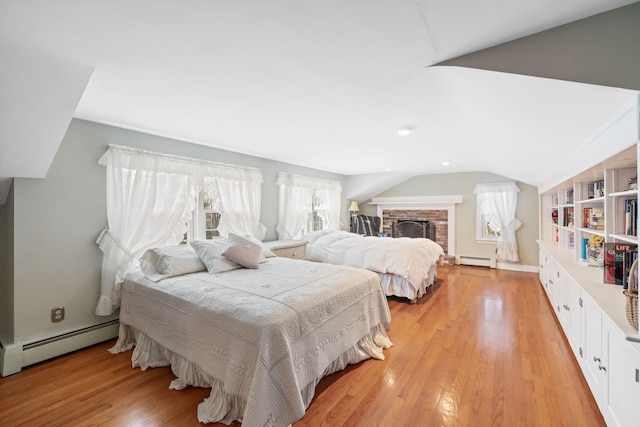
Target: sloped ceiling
320,84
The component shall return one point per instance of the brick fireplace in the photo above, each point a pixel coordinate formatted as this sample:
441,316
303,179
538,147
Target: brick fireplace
439,210
439,218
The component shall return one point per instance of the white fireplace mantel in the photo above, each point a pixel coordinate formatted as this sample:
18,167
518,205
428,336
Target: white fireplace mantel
424,203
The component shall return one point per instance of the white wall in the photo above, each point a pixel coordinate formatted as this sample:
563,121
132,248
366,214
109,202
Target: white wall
58,219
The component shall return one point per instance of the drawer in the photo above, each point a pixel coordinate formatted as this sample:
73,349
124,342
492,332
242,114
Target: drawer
296,252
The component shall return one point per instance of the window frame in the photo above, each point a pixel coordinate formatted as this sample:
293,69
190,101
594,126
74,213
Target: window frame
481,228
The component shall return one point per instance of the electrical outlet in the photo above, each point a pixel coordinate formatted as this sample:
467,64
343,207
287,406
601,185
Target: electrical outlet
57,314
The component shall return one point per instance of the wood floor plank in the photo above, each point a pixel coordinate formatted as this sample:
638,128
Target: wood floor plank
482,348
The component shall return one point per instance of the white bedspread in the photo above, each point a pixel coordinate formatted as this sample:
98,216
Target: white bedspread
410,258
264,334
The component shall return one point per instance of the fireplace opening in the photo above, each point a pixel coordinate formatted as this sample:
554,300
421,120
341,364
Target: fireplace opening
413,228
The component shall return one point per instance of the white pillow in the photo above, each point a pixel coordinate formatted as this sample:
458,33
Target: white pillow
169,261
266,252
210,253
243,251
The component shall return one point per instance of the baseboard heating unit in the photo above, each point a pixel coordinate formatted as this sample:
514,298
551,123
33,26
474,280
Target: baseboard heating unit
475,261
16,356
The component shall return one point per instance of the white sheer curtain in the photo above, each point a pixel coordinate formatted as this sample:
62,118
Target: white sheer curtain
149,202
498,202
330,195
237,197
295,204
151,197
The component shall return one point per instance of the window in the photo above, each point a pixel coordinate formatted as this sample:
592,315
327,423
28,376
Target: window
152,197
484,230
496,213
306,205
204,221
315,222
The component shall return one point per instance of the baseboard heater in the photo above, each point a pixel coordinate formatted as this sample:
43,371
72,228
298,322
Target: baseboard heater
17,356
476,261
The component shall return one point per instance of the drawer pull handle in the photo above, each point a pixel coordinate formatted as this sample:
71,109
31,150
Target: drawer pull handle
602,368
596,359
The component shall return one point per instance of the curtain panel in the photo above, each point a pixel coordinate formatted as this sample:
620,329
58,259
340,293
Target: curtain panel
150,199
296,196
498,202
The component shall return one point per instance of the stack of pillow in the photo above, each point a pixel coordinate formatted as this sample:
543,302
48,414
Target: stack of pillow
216,256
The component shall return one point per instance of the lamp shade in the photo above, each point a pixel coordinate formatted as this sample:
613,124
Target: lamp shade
354,206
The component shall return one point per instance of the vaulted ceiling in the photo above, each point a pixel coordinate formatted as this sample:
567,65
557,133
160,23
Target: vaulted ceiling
324,84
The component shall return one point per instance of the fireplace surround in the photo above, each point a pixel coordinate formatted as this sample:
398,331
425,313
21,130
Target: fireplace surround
439,210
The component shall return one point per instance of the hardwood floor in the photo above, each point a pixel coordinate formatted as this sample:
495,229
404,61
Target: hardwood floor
481,349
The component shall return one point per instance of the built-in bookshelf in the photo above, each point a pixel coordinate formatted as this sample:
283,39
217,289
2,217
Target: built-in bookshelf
597,187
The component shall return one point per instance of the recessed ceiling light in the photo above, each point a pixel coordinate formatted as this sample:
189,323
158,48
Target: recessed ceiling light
405,131
446,162
389,169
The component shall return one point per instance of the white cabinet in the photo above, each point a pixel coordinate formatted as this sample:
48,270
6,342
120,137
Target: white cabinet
572,315
609,362
294,249
623,387
594,367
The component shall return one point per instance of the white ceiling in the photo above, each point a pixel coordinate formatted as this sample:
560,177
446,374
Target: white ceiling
324,84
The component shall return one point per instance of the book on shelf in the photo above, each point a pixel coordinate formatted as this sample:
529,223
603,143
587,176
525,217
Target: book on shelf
569,197
567,220
627,262
554,216
595,189
614,261
596,221
630,217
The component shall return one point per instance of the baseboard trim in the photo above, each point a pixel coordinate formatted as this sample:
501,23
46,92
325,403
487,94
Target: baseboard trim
517,267
15,356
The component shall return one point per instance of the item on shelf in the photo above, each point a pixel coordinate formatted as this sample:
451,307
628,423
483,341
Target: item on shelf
568,217
569,197
630,215
627,263
593,249
631,294
554,216
614,255
632,184
595,218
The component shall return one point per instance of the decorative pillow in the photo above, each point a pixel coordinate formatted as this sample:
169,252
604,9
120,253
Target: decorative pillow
243,251
266,252
169,261
210,252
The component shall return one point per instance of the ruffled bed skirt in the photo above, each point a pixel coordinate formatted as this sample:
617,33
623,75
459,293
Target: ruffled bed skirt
220,406
398,286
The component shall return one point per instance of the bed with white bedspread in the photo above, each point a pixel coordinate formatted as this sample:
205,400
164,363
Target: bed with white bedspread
406,266
260,338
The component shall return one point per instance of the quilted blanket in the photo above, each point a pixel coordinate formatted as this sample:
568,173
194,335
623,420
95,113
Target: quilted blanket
264,336
409,258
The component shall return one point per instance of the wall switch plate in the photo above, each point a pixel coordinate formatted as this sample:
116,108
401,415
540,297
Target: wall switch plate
57,314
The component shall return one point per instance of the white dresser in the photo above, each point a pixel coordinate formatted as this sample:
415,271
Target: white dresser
294,249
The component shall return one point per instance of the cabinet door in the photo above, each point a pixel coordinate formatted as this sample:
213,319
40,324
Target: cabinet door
623,395
544,268
592,344
555,286
573,316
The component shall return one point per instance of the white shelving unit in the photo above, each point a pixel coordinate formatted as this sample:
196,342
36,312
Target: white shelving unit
591,312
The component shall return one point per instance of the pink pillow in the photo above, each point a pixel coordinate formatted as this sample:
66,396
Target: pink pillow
243,251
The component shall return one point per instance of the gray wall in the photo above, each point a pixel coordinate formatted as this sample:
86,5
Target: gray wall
58,219
464,184
603,49
6,269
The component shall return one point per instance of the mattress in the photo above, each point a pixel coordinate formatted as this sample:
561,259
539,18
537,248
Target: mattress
264,337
